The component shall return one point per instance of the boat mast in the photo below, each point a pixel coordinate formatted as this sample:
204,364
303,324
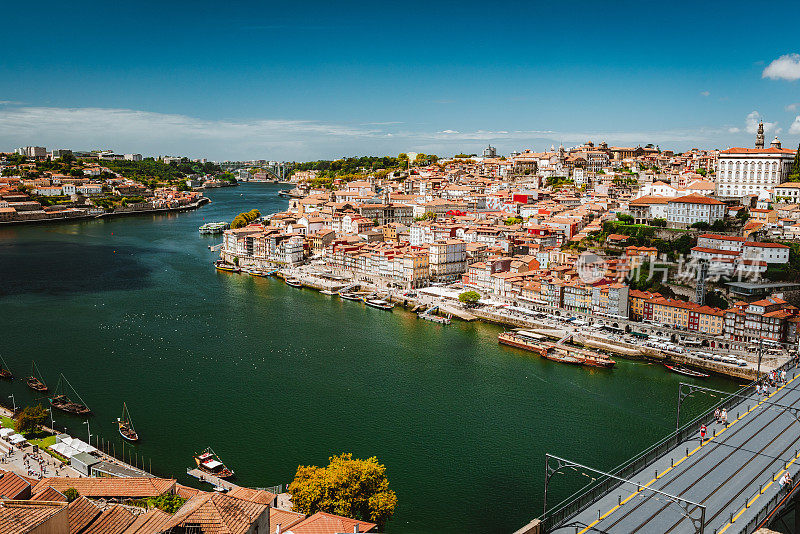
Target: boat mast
127,419
73,390
34,369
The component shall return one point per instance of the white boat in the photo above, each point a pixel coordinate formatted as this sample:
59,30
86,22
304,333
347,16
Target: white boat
214,227
327,292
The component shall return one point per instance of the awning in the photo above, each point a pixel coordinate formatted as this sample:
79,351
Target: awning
211,464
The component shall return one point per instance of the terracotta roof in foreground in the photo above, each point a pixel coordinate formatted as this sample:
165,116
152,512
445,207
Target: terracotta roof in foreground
81,513
216,513
25,516
323,523
110,487
114,519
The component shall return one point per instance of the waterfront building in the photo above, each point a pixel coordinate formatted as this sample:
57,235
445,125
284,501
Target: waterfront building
772,319
447,259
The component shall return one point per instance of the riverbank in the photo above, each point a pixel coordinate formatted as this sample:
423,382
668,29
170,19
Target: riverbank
194,205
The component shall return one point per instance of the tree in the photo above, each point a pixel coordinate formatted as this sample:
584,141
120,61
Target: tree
470,298
347,486
245,218
659,222
701,225
71,494
795,174
168,503
625,218
512,220
30,419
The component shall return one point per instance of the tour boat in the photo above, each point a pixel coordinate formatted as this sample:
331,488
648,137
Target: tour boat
34,382
214,228
61,402
327,292
378,303
686,372
210,463
349,296
125,424
294,282
4,372
222,266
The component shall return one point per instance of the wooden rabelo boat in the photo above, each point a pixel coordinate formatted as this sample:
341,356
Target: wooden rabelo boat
61,402
209,462
686,372
125,424
34,382
4,372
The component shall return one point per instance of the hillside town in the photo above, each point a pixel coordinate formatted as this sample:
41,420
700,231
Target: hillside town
702,242
37,185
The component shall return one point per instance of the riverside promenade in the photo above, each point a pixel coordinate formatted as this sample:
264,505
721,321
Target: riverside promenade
728,481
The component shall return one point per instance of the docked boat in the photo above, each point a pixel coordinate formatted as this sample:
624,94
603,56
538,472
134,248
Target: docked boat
209,462
60,401
350,296
214,228
553,351
328,292
686,372
35,382
227,267
4,371
294,282
125,424
379,303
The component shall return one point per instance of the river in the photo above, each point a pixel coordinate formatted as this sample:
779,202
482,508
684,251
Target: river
131,309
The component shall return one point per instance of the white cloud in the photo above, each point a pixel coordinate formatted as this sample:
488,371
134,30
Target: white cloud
751,123
705,93
150,133
792,107
786,67
794,129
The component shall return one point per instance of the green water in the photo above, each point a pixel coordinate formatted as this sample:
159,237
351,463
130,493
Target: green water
271,377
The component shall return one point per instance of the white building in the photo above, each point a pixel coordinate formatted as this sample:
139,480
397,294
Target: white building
682,212
748,171
447,259
787,192
133,157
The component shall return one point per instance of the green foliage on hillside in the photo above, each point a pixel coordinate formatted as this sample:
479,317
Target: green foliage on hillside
245,218
150,171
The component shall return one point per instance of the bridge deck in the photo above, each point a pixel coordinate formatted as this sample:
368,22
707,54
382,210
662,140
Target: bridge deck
734,473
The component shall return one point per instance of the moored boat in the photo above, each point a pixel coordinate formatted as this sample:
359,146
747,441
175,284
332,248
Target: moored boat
61,402
349,296
294,282
34,382
227,267
379,303
686,372
210,463
553,351
328,292
214,228
4,371
125,424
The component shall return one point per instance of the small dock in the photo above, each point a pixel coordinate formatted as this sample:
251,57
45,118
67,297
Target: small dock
202,476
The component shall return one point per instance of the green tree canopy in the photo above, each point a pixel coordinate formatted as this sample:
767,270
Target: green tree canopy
469,297
347,486
71,494
245,218
30,419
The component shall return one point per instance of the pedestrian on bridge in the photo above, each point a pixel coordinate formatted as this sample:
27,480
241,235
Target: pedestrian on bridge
702,432
716,415
723,416
783,376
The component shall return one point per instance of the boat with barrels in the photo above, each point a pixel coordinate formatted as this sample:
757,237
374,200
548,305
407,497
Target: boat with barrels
60,401
34,381
125,424
209,462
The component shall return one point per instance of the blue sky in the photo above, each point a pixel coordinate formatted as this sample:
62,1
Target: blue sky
307,80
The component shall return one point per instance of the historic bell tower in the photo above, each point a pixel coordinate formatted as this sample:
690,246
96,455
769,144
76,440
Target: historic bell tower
760,135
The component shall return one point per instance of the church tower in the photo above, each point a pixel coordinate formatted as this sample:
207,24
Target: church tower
760,135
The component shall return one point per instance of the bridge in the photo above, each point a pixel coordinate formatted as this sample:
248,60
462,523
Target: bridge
728,481
278,170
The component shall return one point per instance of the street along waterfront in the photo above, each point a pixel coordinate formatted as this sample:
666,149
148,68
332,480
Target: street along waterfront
271,377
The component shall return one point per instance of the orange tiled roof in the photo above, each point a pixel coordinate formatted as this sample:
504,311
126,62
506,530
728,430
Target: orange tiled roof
26,516
150,522
81,513
114,519
323,523
110,487
217,514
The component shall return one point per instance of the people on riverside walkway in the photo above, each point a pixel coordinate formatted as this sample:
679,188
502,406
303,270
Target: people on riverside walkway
716,415
723,416
702,432
783,376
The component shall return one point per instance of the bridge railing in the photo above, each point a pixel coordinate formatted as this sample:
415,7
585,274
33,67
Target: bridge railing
585,496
